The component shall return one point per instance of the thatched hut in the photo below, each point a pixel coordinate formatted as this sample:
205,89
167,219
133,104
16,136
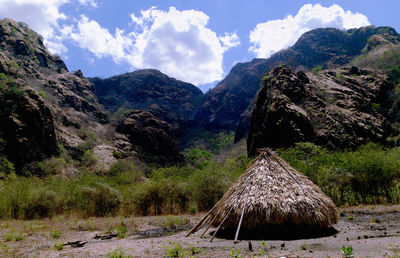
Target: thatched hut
271,200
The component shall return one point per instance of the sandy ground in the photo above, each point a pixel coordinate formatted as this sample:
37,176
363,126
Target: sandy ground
372,231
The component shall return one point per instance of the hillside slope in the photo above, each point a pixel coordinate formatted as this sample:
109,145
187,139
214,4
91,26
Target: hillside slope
339,108
328,47
46,110
171,100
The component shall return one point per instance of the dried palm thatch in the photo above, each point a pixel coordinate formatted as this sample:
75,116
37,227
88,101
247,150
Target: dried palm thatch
269,194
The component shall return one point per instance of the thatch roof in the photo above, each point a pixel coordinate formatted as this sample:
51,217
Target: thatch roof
270,193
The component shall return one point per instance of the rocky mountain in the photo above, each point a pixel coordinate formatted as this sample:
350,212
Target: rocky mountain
151,138
169,99
329,48
42,104
337,108
44,109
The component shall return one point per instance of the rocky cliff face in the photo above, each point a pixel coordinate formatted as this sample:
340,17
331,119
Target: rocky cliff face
170,100
330,48
26,127
42,104
340,108
151,138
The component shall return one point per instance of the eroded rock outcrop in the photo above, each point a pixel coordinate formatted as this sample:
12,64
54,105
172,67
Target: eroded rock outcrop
26,127
151,138
42,104
169,99
328,47
340,108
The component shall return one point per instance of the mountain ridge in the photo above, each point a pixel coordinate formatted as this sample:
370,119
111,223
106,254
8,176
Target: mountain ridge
223,106
169,99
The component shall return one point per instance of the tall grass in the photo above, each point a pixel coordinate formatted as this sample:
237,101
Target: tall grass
124,190
370,174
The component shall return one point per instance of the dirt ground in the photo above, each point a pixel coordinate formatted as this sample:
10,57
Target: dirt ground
372,231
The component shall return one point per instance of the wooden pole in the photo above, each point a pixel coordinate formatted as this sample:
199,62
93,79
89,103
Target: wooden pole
200,222
209,225
290,174
219,226
240,223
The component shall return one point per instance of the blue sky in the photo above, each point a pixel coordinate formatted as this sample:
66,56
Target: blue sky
194,41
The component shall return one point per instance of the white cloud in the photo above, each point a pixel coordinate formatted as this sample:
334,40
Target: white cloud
179,44
230,40
41,15
272,36
90,35
91,3
176,42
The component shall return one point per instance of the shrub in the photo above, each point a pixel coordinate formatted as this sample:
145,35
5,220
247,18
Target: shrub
148,195
317,68
175,193
174,250
198,158
88,159
6,166
13,196
99,201
207,187
125,172
55,234
172,221
58,246
118,253
365,175
19,237
122,230
265,77
51,166
340,76
41,203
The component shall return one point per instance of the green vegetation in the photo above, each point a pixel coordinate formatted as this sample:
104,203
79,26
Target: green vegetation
396,251
265,77
376,106
121,113
169,221
118,253
174,250
19,237
14,30
340,76
11,236
369,174
264,249
123,190
235,253
177,250
58,246
317,69
303,247
212,143
386,59
347,251
122,230
14,64
55,234
43,94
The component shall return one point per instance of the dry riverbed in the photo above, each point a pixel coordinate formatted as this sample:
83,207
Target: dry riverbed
372,231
